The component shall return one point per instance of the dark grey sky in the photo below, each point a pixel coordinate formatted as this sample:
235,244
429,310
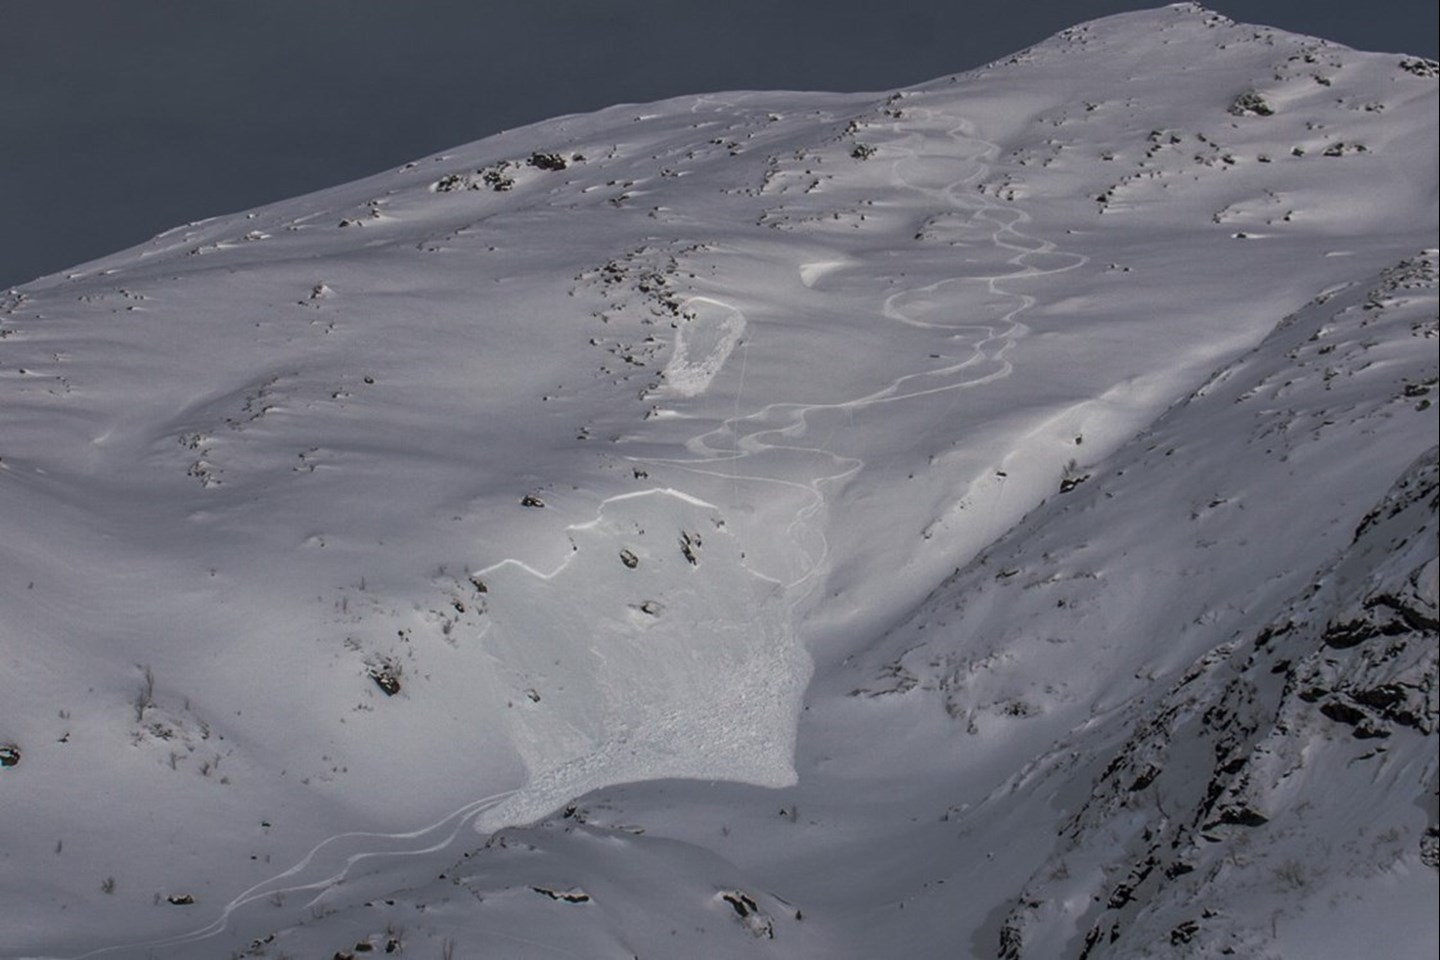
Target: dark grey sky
122,118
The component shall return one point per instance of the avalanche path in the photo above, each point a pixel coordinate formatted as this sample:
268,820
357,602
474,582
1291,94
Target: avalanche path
623,708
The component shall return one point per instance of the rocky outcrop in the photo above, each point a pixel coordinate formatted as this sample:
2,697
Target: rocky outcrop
1239,775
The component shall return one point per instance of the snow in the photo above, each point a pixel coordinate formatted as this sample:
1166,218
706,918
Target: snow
620,682
787,528
703,345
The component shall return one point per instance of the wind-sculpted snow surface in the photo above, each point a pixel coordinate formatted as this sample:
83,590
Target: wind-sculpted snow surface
600,539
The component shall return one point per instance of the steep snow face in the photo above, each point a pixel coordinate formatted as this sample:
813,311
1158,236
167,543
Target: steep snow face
1314,739
677,446
1296,754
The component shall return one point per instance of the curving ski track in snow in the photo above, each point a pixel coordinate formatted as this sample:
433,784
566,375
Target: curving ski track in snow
751,432
742,437
326,866
770,429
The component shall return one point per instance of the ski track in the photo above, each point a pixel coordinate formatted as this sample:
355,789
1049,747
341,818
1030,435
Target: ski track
333,865
996,341
329,862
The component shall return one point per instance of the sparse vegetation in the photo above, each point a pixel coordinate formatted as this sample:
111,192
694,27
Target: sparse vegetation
145,696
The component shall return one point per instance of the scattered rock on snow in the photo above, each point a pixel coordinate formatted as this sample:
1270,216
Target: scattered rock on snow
755,919
1252,104
386,676
570,895
547,161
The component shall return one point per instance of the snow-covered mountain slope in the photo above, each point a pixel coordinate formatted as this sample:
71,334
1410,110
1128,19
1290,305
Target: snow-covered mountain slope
977,520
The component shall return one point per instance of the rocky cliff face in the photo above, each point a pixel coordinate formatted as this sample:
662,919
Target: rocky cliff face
1287,765
1292,763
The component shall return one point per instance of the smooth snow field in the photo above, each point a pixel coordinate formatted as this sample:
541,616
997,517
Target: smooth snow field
994,518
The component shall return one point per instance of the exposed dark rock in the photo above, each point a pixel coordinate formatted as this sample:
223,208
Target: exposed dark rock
452,182
1184,933
1178,869
756,920
1381,697
1145,778
1430,848
1072,477
1251,104
690,547
547,161
496,178
1342,712
1011,942
386,677
573,895
1273,631
1242,816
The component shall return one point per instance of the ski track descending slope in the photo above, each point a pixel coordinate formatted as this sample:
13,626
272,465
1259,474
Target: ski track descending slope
615,751
332,860
749,434
611,754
